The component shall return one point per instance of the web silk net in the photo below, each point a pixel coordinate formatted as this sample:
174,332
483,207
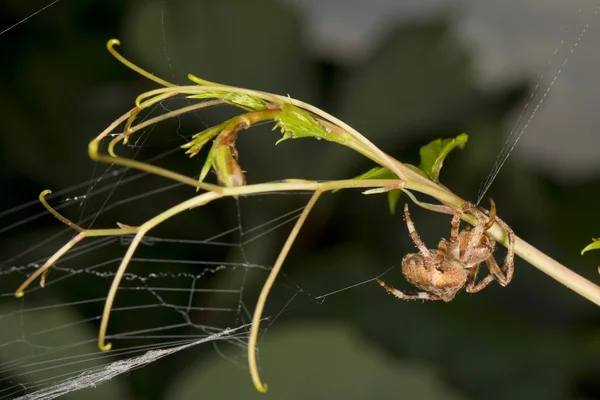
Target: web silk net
186,285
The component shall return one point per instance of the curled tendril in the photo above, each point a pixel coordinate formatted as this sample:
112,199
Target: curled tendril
110,45
52,211
113,143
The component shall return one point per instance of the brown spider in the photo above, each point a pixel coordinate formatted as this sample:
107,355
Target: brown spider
443,272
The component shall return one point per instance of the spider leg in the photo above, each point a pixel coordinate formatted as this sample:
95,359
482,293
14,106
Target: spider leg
502,274
491,214
509,261
484,222
475,235
455,224
407,296
471,287
478,231
442,250
415,236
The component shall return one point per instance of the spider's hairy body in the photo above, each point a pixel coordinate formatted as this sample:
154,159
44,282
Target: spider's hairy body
477,254
440,279
443,272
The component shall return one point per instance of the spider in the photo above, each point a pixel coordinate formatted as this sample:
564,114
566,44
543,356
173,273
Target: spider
442,273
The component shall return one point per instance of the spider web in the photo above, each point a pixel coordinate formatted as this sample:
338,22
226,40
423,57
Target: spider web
186,285
180,301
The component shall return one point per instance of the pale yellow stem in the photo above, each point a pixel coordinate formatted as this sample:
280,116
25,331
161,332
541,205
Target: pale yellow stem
264,293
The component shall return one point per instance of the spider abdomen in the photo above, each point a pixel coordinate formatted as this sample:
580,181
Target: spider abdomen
443,279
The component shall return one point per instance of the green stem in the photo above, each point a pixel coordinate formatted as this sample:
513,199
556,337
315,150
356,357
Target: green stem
412,181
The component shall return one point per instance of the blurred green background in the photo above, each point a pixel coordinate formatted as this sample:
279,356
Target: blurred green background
532,340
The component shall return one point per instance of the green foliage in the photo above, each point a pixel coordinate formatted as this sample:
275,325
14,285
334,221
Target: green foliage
595,245
207,165
384,173
377,173
293,121
432,159
434,153
393,199
245,101
296,123
200,139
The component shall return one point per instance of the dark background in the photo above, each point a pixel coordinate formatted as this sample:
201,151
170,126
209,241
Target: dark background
533,339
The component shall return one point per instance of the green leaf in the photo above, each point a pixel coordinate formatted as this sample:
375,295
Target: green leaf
384,173
434,153
393,198
200,139
417,169
432,158
595,245
207,165
377,173
238,99
296,123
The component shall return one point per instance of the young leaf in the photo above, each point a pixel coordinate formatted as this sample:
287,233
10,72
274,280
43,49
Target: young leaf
434,153
595,245
295,123
393,198
243,100
207,165
200,139
384,173
377,173
432,158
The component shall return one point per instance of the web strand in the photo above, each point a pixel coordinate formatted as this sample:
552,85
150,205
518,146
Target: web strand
28,17
535,101
112,370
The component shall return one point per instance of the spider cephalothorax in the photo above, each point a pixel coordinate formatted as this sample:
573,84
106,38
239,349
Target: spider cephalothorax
443,272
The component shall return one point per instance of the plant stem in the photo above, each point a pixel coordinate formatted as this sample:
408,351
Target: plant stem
412,181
